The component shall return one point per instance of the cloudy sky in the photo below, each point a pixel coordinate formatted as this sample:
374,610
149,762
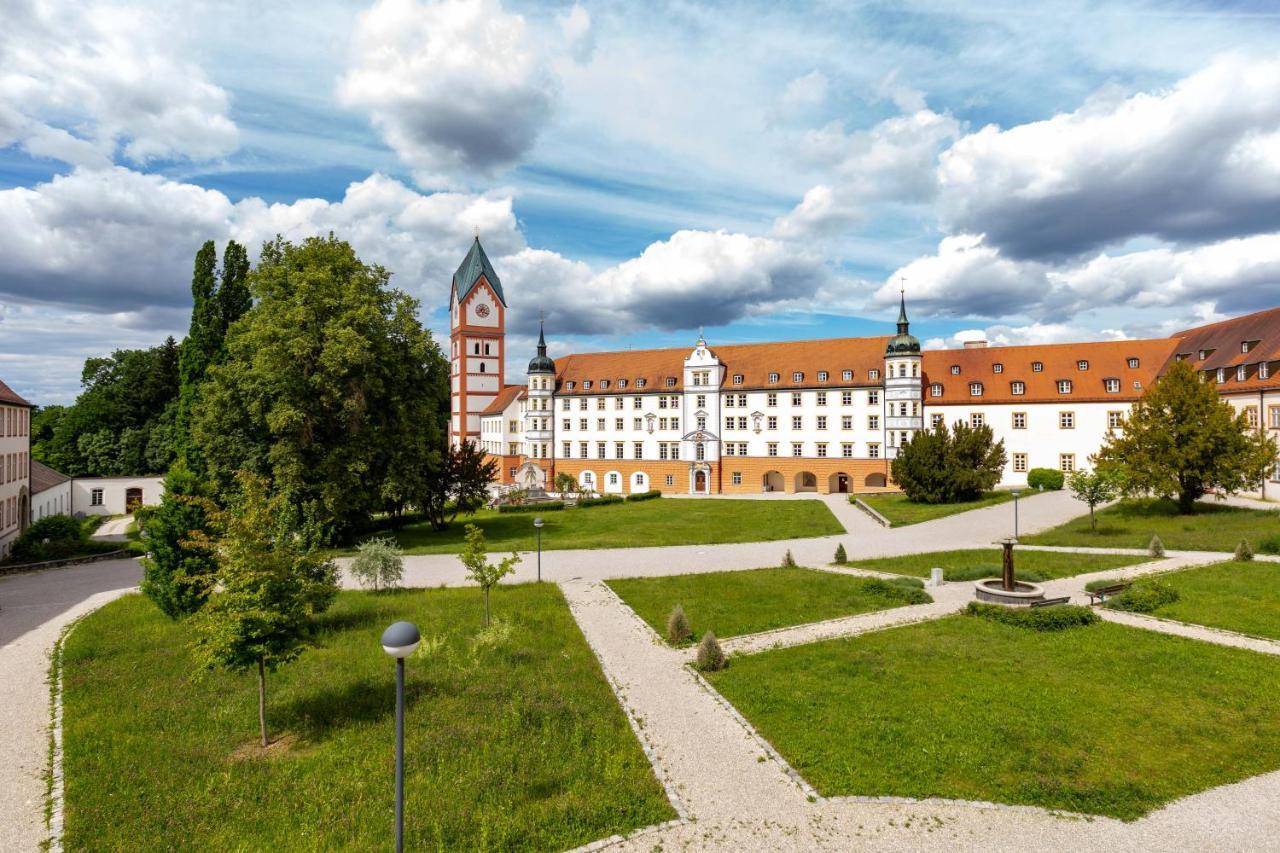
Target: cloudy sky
1082,170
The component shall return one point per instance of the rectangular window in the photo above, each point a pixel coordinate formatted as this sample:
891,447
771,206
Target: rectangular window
873,450
670,480
1017,388
600,423
582,449
822,398
637,403
566,424
1112,386
637,423
1251,416
873,422
1064,386
796,422
1020,462
582,404
846,398
729,400
1066,462
772,448
822,422
1264,370
771,400
822,450
1273,417
600,454
847,375
618,450
1066,420
701,401
564,404
846,450
797,449
638,448
772,422
976,419
742,448
975,389
873,398
795,399
675,423
737,478
729,422
1115,420
742,401
95,497
662,450
742,423
617,423
936,420
846,422
1019,420
730,449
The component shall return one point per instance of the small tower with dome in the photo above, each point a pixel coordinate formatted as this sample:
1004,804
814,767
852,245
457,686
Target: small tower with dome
539,414
903,398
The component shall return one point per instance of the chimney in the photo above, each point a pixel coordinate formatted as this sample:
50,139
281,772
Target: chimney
975,344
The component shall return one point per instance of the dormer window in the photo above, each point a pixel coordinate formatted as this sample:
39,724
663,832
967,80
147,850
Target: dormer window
773,379
873,373
586,385
1112,386
1082,365
1241,373
1264,370
1017,388
1183,356
955,370
671,382
797,376
1037,367
737,379
569,385
1204,353
935,390
1064,386
847,376
604,383
622,383
1133,364
640,383
1245,346
997,368
822,376
1222,375
975,389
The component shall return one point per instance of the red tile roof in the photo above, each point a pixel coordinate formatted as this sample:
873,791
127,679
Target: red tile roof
504,398
7,395
1222,342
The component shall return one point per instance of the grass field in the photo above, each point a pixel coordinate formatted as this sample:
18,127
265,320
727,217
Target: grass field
632,525
1131,524
514,740
974,564
734,603
1104,719
900,511
1242,597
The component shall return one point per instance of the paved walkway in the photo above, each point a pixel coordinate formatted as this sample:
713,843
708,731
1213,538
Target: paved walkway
114,529
34,609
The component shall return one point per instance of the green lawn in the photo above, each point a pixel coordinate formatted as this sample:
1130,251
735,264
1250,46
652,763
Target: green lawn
1242,597
901,511
1131,524
979,563
514,740
1103,719
631,525
733,603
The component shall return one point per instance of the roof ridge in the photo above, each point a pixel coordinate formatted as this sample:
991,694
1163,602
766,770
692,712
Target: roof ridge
867,338
1223,322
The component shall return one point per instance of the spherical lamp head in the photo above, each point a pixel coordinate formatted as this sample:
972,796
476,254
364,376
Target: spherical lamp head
400,639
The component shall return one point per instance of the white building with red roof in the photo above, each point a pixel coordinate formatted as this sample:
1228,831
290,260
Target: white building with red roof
15,467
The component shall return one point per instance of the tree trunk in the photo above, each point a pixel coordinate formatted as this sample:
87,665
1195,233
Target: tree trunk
1093,522
262,701
1187,500
486,607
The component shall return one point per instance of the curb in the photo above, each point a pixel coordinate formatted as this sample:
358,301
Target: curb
876,516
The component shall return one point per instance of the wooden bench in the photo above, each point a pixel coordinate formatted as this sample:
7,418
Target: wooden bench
1100,595
1051,602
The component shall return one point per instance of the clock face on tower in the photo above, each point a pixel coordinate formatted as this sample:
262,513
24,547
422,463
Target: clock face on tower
482,310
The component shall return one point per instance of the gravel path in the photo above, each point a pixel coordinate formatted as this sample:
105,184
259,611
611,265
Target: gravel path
114,529
1194,632
34,608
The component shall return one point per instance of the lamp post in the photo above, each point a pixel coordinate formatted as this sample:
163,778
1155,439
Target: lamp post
399,641
537,524
1015,513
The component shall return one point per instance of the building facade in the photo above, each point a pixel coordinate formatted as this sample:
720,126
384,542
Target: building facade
829,415
50,492
15,467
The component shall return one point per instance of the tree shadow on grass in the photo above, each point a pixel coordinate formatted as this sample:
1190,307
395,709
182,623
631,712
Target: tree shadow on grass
321,714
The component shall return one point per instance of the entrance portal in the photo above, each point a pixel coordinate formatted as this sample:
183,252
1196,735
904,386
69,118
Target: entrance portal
700,481
132,499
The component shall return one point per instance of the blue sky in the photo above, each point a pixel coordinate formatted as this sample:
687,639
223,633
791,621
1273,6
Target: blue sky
768,171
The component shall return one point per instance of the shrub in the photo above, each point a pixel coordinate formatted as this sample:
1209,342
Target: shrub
710,655
1156,547
603,500
1243,552
1270,544
678,630
788,561
545,506
379,563
56,537
644,496
1044,478
897,590
988,570
1145,596
841,556
944,465
1056,618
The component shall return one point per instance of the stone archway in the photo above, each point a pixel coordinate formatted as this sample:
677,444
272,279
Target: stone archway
839,483
875,481
24,510
806,481
773,481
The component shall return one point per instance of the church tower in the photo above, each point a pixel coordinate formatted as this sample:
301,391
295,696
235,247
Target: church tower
539,416
477,331
903,399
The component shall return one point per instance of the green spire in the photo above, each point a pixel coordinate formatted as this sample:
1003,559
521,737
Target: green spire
903,325
475,265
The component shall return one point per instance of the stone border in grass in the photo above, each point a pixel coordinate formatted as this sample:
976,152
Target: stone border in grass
19,568
873,512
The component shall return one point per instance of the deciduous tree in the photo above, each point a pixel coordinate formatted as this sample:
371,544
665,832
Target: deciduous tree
1180,439
475,559
1093,488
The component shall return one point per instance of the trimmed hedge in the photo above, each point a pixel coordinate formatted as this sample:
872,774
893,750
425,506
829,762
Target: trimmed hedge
1144,596
545,506
898,589
603,500
644,496
1057,618
1045,478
